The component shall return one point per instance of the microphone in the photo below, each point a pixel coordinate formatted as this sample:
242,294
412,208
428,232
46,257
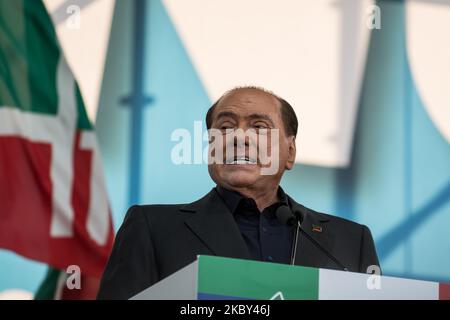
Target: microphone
285,216
289,218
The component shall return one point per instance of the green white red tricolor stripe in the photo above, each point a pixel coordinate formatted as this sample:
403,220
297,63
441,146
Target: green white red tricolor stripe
53,200
217,278
223,278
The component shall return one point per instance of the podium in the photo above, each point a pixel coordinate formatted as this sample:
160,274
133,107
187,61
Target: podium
218,278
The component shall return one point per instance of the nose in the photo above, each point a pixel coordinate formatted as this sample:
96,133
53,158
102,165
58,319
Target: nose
241,138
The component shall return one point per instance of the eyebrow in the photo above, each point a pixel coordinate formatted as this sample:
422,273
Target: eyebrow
253,116
225,114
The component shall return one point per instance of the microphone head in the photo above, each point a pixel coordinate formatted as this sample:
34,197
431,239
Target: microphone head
299,214
285,216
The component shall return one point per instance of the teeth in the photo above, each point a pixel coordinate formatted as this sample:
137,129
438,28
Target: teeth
241,160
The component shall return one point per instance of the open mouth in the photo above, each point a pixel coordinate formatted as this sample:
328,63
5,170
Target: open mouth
241,160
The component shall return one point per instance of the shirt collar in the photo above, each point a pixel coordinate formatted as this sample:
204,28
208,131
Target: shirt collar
233,198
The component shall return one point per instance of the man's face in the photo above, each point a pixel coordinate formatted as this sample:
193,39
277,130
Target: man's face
250,110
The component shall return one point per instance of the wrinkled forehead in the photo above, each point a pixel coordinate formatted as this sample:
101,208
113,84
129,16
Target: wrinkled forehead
249,101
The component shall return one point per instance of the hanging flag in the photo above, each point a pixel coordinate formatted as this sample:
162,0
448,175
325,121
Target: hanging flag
53,200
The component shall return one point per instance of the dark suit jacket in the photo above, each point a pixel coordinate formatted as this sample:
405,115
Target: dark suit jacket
155,241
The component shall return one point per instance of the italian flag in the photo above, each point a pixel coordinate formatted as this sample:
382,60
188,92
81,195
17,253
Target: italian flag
53,201
217,278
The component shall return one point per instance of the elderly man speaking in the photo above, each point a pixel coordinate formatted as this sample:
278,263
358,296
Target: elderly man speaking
247,215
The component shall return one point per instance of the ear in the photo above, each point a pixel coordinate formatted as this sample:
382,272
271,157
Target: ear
292,151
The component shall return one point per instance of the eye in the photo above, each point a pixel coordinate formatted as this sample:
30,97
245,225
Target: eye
260,125
226,125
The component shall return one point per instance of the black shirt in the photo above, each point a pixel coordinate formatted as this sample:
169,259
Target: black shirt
267,239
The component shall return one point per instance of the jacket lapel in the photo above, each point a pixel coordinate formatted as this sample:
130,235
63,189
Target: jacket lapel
212,222
315,225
